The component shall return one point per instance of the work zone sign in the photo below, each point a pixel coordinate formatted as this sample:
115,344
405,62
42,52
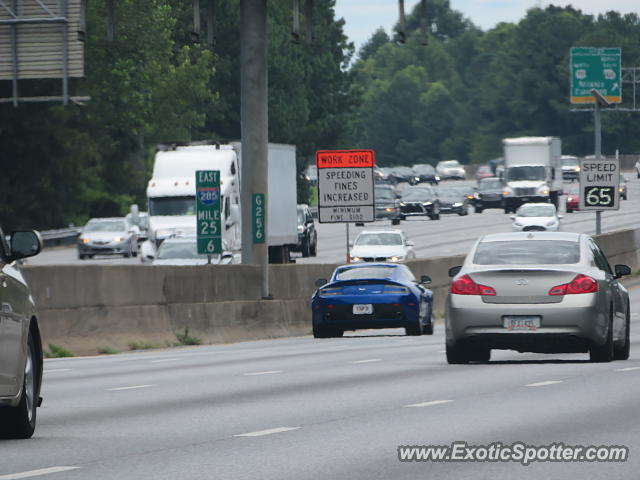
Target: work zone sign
345,186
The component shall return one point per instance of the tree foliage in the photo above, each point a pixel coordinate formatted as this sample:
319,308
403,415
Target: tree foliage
152,85
468,89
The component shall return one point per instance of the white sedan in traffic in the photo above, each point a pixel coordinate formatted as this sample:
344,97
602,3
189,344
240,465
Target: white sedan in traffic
536,217
382,246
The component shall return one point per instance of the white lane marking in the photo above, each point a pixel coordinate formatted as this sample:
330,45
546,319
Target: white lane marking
268,372
36,473
117,389
271,431
442,351
428,404
165,360
543,384
53,370
368,360
627,369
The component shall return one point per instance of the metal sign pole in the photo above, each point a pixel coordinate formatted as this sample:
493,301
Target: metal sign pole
348,253
598,152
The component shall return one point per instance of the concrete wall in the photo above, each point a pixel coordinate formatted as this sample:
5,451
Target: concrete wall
86,307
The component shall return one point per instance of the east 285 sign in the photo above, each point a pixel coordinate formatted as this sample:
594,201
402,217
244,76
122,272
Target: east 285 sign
599,184
208,211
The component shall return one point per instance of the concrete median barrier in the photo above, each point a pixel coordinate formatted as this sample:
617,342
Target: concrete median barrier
88,307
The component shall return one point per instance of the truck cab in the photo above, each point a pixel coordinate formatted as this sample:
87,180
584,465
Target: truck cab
532,171
172,188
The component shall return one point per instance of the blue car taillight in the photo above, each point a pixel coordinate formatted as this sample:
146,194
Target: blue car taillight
326,292
396,290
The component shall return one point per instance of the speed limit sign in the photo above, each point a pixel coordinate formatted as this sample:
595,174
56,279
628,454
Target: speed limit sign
599,184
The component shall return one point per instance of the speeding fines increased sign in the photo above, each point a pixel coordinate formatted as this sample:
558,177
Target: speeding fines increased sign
599,184
345,186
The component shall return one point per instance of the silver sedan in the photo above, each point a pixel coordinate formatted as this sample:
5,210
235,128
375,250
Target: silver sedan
537,292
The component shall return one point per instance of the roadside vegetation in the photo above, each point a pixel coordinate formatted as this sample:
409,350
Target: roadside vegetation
57,352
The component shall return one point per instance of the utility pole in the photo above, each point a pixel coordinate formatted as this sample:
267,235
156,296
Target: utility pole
254,129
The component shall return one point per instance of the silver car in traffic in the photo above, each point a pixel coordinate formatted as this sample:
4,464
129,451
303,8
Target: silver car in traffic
20,343
541,292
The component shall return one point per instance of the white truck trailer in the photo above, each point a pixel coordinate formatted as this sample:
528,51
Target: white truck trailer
282,213
532,171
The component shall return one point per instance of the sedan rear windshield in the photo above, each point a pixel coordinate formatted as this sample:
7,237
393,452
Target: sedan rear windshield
527,252
360,273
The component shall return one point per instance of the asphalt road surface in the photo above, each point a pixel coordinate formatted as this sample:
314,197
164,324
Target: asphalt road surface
337,408
451,235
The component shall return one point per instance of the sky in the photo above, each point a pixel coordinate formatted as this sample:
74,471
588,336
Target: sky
363,17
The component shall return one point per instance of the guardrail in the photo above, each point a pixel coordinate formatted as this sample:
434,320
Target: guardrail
62,236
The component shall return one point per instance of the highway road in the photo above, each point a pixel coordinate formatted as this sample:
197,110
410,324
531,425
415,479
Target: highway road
338,408
451,235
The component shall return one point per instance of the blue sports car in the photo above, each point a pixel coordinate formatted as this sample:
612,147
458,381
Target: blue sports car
372,295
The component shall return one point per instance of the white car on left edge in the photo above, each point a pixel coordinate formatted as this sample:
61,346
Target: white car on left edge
536,217
382,246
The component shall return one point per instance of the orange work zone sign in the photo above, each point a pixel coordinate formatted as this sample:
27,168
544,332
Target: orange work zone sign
345,158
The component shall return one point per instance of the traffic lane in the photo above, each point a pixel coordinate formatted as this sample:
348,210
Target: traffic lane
365,446
351,422
334,392
453,235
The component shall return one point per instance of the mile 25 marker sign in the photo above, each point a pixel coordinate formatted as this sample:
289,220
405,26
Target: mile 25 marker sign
208,211
345,186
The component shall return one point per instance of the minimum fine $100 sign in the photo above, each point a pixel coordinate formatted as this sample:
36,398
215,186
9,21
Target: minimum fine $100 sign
345,186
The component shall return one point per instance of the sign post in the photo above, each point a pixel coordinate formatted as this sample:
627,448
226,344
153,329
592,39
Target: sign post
599,69
346,187
599,184
208,212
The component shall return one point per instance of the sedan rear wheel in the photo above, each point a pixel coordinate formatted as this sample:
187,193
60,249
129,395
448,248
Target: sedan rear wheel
603,353
20,421
622,353
456,354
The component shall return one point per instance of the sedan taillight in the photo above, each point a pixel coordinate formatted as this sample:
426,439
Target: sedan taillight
466,286
580,284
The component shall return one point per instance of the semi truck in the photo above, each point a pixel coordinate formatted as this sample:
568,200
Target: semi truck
532,171
171,195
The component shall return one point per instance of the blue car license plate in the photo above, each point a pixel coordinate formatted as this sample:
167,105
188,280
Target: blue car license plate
362,309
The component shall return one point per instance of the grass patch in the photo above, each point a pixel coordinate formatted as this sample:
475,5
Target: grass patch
107,350
186,339
142,346
57,352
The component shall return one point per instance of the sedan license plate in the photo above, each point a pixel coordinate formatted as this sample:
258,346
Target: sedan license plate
525,199
363,309
522,322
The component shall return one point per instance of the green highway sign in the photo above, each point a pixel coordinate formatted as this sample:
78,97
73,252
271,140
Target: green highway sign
208,211
257,208
596,68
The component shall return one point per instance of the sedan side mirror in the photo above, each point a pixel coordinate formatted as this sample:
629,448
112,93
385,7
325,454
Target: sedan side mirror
512,217
320,282
409,243
425,280
560,217
453,271
26,243
622,271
